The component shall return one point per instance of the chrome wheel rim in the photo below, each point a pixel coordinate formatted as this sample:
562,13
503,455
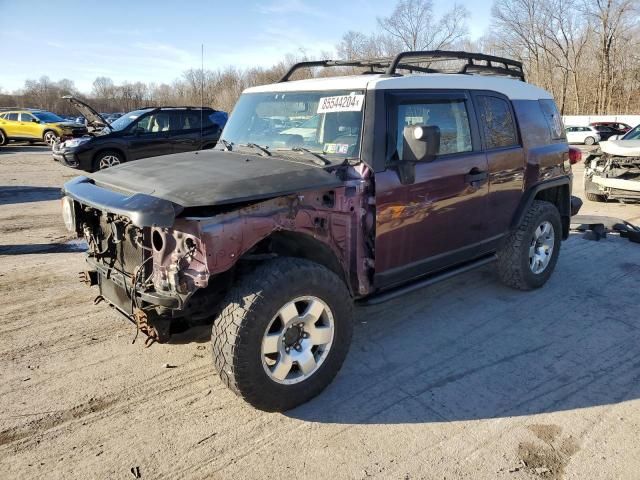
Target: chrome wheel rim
297,340
50,138
541,247
108,161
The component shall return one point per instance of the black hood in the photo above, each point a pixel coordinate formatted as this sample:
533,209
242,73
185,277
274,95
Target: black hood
93,117
212,177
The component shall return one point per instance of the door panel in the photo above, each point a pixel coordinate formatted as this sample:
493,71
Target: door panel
28,127
11,125
185,137
150,136
439,219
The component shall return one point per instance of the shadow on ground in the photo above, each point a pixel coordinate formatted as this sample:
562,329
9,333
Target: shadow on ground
469,348
25,194
24,148
27,249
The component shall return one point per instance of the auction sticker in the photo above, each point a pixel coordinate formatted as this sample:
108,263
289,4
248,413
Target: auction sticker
341,103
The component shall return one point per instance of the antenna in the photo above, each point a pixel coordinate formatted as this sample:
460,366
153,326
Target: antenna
201,90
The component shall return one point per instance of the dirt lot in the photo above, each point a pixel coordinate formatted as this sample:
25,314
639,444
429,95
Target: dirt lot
466,379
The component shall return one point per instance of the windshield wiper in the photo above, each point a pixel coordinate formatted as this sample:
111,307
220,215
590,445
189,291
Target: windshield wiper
317,158
255,145
228,146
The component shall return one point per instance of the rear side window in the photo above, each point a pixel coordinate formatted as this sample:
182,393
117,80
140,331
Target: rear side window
497,122
449,115
554,121
12,116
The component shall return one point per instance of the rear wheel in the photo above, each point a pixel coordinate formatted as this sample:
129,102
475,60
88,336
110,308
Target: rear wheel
283,333
107,159
589,141
529,255
3,138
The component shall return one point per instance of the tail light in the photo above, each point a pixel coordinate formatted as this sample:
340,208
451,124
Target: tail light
575,155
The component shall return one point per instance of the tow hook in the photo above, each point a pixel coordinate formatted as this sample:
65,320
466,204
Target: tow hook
155,333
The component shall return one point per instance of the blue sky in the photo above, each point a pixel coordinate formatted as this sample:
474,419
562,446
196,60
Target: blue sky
156,41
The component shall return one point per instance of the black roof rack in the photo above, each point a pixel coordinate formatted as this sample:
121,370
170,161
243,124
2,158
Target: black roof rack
415,61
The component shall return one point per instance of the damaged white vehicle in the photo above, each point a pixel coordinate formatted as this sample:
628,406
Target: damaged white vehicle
613,171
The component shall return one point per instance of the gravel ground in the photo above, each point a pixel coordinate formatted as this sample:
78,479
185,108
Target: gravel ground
465,379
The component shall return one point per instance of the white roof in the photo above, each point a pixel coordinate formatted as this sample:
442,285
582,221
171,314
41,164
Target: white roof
514,89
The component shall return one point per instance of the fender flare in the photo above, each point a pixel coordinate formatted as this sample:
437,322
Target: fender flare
532,192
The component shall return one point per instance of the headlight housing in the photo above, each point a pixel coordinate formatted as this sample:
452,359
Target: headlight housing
69,213
75,142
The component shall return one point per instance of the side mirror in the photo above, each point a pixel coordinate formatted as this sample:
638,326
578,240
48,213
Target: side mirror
35,120
420,143
138,131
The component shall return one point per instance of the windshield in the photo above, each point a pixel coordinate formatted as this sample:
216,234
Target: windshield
322,122
633,134
125,120
47,117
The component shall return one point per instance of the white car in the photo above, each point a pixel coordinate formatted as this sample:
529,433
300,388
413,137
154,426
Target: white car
613,170
586,135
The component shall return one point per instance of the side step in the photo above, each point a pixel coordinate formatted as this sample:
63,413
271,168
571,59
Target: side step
425,282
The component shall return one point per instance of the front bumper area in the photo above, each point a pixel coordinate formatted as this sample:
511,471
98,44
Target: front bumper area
123,298
66,158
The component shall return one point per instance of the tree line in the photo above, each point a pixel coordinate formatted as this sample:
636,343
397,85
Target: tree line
585,52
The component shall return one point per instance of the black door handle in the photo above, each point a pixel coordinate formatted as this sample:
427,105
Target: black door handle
476,177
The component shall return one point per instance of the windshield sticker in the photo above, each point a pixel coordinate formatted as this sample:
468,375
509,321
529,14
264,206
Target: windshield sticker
336,148
341,103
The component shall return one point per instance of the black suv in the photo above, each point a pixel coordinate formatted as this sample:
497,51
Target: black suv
143,133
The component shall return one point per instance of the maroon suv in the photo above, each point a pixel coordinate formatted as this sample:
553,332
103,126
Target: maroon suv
330,192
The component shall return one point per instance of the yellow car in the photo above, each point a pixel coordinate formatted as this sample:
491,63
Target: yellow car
37,125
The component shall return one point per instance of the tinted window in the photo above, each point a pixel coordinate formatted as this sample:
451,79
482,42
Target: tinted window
155,123
12,116
191,119
449,115
551,114
26,117
497,122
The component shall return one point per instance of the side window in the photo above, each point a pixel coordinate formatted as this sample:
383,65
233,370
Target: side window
497,122
449,115
26,117
154,123
190,120
12,116
551,114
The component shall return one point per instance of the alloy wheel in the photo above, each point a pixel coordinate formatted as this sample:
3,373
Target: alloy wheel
50,138
108,161
541,247
297,340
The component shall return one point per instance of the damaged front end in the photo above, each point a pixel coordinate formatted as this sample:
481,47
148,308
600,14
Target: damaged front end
157,262
613,173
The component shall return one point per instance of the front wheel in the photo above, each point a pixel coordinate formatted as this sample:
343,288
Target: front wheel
107,159
529,254
50,137
589,141
283,333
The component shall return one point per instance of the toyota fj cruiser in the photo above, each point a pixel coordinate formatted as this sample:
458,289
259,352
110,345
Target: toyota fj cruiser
329,191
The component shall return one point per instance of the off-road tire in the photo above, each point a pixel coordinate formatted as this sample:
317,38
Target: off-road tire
594,197
589,141
513,256
104,153
3,138
247,311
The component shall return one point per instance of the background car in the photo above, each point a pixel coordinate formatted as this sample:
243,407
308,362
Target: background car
37,125
148,132
587,135
619,127
605,132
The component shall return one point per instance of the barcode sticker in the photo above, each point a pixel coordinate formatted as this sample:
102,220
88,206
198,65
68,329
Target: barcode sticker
341,103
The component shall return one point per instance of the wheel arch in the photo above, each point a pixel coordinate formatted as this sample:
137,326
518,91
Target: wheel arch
557,192
286,243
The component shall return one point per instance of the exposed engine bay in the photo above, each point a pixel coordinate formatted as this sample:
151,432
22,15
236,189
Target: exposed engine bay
613,172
